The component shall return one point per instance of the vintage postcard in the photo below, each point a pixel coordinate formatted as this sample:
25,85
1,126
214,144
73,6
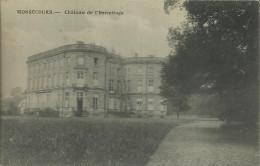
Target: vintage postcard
129,83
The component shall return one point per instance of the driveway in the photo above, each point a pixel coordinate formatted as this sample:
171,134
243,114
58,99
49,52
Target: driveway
198,144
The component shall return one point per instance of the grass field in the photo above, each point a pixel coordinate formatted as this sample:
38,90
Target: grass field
87,141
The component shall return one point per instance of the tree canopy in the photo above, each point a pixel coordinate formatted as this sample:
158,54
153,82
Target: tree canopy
216,52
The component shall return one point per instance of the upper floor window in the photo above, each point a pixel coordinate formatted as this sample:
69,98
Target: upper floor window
128,85
111,70
95,75
80,61
79,95
150,82
150,71
150,104
118,71
139,83
118,85
80,74
54,64
68,61
139,69
61,62
95,102
44,67
139,103
111,85
95,61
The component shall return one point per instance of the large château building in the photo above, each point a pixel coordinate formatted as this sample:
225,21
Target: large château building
88,78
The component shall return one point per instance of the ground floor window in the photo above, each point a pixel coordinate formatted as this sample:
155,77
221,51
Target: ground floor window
95,102
111,103
67,98
139,104
150,104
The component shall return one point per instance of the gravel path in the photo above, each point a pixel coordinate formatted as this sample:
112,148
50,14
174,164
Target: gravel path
197,144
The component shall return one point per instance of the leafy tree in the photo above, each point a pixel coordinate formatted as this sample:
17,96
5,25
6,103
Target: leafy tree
12,102
216,52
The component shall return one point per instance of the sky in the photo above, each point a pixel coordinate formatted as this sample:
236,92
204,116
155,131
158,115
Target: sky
143,29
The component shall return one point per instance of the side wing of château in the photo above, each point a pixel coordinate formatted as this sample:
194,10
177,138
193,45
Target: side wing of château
86,77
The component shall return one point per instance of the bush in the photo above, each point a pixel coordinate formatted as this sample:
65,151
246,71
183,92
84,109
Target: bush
48,112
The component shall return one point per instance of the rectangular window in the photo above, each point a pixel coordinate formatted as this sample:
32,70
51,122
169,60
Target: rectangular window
128,70
61,79
67,78
111,103
150,104
95,102
95,75
118,85
58,79
80,75
139,103
67,98
58,63
55,79
95,61
139,69
79,95
139,83
139,77
43,81
80,60
54,64
112,70
49,80
51,64
39,70
111,85
68,61
128,85
61,63
150,70
150,83
118,72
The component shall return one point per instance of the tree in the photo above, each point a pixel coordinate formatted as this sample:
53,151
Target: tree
17,92
12,102
216,52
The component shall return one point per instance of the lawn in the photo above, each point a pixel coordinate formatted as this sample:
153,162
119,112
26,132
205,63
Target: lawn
87,141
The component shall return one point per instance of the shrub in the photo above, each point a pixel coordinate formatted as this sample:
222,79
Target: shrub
48,112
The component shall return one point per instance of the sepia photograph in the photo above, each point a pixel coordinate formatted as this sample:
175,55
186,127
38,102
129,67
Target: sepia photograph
129,83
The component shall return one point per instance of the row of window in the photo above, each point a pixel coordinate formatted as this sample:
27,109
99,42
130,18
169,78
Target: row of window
37,102
58,63
58,80
139,70
55,79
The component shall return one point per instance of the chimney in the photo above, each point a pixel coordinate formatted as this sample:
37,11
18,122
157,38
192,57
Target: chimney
80,42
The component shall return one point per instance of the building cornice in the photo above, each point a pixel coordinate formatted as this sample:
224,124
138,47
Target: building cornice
68,48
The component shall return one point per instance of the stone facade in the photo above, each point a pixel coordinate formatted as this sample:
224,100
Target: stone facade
85,77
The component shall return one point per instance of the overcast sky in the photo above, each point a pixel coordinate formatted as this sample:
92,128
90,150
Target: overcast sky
143,29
